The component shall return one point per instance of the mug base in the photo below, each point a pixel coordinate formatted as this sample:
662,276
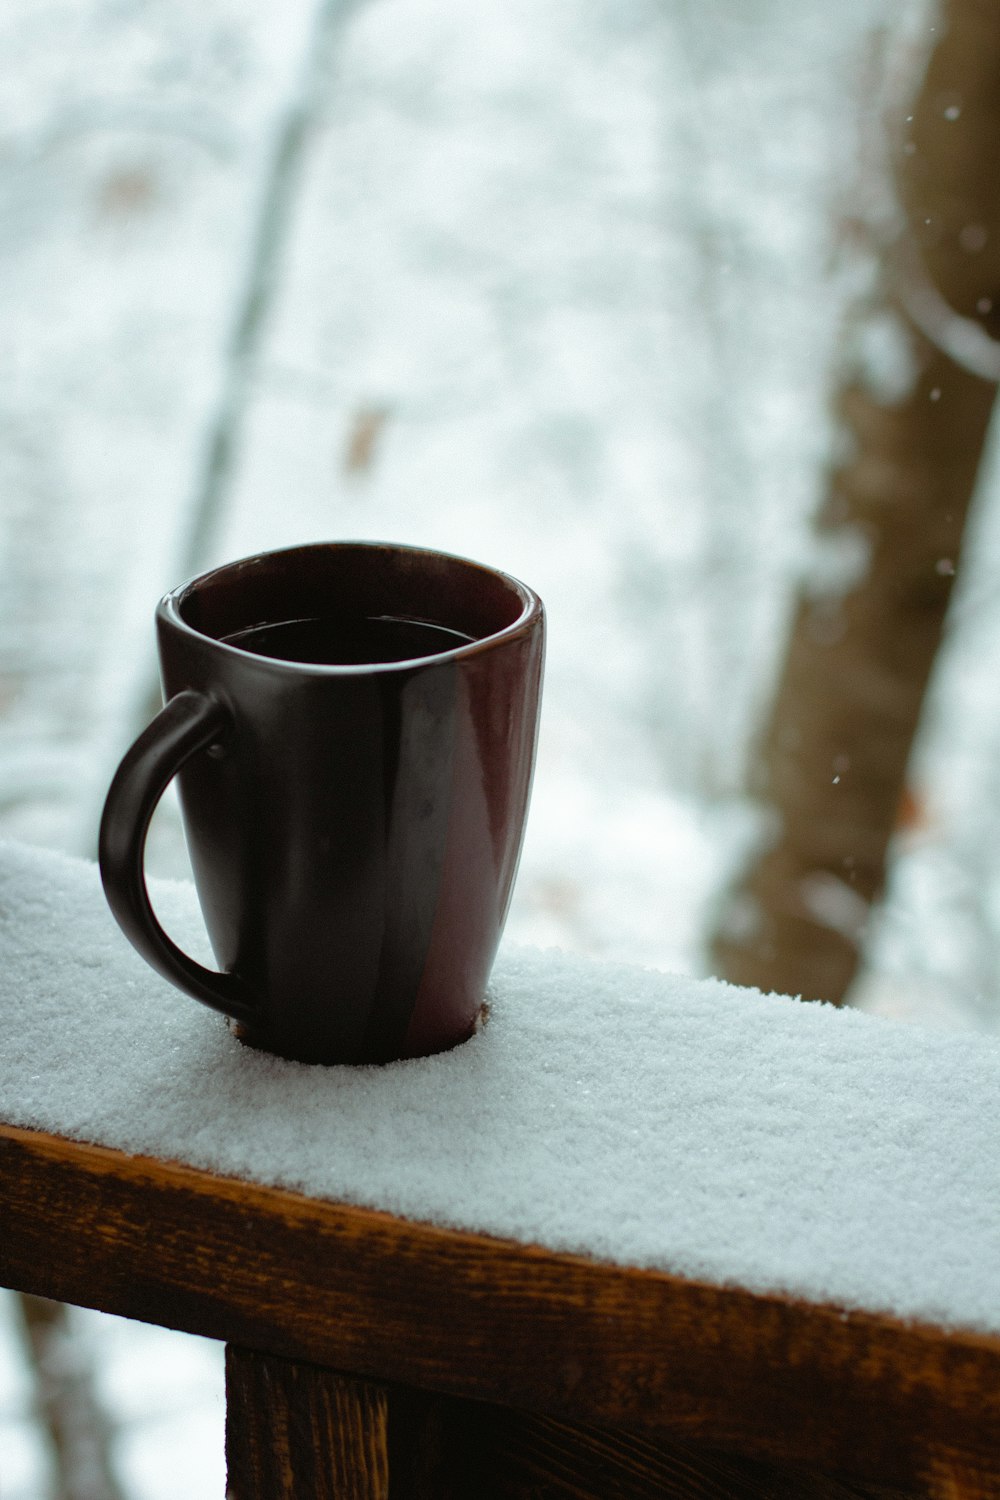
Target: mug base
260,1042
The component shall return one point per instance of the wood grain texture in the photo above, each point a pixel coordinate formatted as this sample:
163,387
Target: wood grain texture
523,1456
865,1398
298,1432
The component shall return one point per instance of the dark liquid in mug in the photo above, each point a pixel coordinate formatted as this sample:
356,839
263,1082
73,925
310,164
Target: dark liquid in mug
348,640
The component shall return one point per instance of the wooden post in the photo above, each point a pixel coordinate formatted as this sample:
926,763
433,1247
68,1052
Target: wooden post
295,1431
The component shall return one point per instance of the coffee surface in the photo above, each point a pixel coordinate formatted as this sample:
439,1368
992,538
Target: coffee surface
348,640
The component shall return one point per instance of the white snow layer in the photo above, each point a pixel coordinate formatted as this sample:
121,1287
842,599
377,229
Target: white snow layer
630,1115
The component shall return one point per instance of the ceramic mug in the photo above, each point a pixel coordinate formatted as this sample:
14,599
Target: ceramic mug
353,730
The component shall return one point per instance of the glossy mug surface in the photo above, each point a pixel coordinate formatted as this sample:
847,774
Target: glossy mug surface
353,729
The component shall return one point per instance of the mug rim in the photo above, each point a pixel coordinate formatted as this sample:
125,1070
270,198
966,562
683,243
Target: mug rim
169,609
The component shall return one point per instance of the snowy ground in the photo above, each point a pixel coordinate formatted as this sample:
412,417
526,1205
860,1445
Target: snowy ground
548,285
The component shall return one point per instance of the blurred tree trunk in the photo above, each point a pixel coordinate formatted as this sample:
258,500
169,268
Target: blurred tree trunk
77,1427
914,405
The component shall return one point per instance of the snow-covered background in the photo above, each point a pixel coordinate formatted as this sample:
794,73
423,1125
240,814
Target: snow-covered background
555,286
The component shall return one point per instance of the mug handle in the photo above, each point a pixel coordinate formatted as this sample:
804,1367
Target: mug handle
189,722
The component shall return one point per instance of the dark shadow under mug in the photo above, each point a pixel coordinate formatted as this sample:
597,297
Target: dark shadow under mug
354,825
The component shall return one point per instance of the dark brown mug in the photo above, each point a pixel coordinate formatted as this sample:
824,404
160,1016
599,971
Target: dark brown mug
353,729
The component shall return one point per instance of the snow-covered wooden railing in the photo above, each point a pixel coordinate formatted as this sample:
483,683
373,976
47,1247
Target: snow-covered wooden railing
640,1236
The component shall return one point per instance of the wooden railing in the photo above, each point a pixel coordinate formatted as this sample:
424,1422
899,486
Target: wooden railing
369,1356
